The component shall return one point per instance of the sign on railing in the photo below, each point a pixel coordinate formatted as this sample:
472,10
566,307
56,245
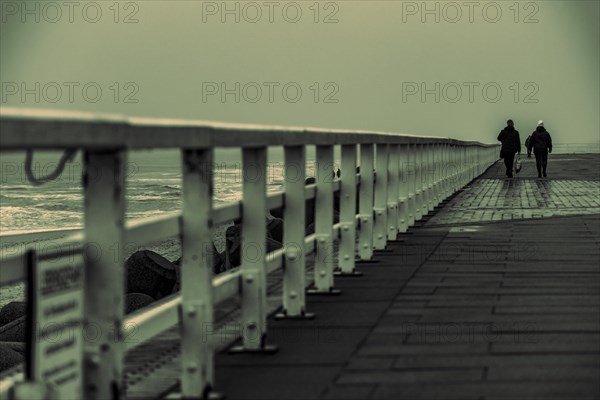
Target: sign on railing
55,325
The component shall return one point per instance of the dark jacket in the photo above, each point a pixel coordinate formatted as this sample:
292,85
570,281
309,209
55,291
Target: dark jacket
541,141
511,142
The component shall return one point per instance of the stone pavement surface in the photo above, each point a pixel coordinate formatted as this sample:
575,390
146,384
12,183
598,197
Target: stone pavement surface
484,309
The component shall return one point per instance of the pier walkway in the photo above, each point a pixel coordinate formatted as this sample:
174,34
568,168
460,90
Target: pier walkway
494,295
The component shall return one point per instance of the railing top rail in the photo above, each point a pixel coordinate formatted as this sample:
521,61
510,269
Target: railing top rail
22,128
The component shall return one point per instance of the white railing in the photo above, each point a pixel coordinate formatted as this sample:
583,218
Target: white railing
401,179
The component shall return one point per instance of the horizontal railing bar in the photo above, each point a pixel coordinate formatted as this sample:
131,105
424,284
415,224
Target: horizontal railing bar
226,285
145,230
224,213
24,128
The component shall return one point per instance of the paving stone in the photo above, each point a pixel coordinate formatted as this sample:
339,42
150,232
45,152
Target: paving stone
370,363
353,392
411,376
264,383
530,390
423,349
544,372
525,360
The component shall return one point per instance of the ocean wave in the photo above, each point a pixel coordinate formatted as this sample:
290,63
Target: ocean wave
175,180
53,206
16,187
155,186
64,196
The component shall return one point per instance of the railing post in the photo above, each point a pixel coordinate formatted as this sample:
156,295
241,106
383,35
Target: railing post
445,169
448,167
469,163
324,222
196,273
381,188
458,152
418,181
393,187
432,179
437,169
411,158
347,248
104,214
365,238
429,149
403,185
451,175
467,170
426,178
465,158
459,167
253,252
454,153
294,277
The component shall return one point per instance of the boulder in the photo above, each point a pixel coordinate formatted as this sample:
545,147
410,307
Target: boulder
149,273
233,241
19,347
8,357
14,331
275,229
12,311
277,212
135,301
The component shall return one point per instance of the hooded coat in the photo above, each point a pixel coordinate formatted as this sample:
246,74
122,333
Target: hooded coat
541,141
511,142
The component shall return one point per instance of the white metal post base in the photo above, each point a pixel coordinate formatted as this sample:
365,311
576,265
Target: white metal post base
329,292
345,274
208,395
302,316
264,348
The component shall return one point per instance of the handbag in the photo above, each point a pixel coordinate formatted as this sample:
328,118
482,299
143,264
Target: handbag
517,163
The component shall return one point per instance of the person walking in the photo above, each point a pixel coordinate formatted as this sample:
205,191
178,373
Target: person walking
541,144
511,145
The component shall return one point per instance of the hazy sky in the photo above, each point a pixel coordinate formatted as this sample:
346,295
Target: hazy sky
374,61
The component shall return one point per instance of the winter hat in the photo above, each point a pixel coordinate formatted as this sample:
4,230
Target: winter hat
540,123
